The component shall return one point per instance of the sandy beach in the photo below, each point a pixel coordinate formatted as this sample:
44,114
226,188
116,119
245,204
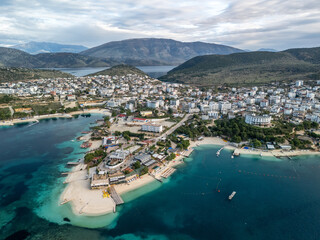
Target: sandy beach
143,180
48,116
82,199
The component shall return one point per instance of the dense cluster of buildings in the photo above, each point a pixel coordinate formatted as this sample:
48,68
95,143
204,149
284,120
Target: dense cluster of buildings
296,101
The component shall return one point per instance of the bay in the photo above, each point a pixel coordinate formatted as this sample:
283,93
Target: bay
275,199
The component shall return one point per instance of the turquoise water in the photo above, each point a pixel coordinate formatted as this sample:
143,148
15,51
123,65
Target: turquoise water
276,199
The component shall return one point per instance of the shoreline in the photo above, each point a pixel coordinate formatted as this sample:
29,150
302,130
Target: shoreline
263,153
89,202
50,116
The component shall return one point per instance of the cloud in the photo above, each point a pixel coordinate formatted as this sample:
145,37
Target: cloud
252,24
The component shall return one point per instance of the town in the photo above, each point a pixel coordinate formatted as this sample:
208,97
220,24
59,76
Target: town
149,126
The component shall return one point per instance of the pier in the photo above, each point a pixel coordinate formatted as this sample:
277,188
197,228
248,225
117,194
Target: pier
115,196
168,172
73,163
218,152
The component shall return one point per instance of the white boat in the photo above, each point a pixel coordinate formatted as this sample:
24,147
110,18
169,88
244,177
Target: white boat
232,195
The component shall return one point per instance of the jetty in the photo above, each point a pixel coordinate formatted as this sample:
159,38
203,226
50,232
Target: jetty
73,163
115,196
168,172
219,151
187,153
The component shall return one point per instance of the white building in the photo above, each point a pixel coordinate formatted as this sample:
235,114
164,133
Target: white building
258,120
264,103
153,104
151,128
174,102
213,114
112,103
224,106
299,83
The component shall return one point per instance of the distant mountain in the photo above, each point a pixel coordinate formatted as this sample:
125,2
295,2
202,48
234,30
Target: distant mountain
248,68
21,74
47,47
120,70
267,50
161,51
10,57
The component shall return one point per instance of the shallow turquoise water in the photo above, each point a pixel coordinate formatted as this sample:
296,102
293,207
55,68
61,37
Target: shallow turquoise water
276,199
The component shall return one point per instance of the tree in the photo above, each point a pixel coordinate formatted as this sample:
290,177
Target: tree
171,157
137,165
144,170
256,143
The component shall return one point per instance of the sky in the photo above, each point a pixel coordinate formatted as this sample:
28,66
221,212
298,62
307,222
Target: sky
246,24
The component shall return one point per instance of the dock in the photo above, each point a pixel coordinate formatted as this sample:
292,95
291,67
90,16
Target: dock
115,196
73,163
168,172
188,152
218,152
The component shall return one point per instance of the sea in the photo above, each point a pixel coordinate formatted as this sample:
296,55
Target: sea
152,71
275,198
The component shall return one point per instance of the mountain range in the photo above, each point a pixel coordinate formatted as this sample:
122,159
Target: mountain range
48,47
137,52
10,57
163,51
248,68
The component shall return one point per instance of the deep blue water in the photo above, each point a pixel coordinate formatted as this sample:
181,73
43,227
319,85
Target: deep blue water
276,199
152,71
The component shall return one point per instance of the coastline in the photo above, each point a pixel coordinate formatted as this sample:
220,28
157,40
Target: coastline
91,203
242,151
49,116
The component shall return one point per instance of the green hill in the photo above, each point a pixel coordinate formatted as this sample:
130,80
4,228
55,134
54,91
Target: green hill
10,57
21,74
120,70
248,68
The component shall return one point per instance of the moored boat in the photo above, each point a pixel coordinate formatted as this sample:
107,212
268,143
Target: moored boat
232,195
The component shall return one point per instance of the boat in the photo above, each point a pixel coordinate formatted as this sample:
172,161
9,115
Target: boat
86,145
232,195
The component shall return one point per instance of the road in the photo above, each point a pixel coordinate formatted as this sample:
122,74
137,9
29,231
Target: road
171,130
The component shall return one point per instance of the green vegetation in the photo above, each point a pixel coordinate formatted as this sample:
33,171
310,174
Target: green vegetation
313,134
6,99
128,134
144,171
94,158
236,130
120,70
137,165
10,57
171,157
5,113
248,68
49,108
21,74
193,129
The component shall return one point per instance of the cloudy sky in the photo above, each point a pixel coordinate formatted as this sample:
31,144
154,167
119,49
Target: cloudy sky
246,24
